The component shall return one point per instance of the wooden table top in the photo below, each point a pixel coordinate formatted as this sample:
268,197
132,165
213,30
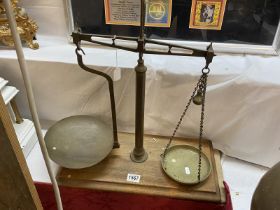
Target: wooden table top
111,173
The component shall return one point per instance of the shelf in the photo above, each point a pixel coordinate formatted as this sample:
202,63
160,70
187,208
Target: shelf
25,131
2,83
111,173
26,135
8,93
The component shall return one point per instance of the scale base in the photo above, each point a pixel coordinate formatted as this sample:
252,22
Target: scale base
112,173
139,158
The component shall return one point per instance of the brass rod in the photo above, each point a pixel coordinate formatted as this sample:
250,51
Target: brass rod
111,91
142,20
18,116
77,37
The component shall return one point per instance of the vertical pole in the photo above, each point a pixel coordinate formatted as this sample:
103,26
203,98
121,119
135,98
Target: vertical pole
31,101
139,154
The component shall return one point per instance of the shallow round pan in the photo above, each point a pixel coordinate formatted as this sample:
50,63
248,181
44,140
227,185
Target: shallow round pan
181,164
79,141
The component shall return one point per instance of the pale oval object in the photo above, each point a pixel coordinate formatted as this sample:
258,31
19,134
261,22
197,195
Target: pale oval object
79,141
181,164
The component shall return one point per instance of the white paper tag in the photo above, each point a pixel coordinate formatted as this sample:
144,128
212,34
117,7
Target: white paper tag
133,178
187,170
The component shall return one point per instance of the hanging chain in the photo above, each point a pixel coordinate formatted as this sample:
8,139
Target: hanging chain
203,88
199,88
183,115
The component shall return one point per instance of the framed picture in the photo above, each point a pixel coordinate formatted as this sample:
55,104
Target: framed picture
207,14
127,12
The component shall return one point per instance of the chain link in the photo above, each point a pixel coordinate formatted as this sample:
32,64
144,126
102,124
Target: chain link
204,84
182,115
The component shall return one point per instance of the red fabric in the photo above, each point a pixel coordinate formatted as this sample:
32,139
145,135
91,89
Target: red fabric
85,199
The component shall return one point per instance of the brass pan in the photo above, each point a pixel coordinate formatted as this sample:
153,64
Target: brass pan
180,163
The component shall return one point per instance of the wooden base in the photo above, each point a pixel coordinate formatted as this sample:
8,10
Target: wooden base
111,173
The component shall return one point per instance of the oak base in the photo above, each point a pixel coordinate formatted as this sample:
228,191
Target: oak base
111,173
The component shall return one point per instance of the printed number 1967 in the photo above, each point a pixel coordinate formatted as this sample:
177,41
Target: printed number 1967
133,178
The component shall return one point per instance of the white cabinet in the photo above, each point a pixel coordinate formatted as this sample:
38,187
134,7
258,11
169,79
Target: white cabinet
24,128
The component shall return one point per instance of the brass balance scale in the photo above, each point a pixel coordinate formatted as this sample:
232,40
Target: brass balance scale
86,143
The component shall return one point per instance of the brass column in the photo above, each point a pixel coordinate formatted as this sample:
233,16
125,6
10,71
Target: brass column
139,154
